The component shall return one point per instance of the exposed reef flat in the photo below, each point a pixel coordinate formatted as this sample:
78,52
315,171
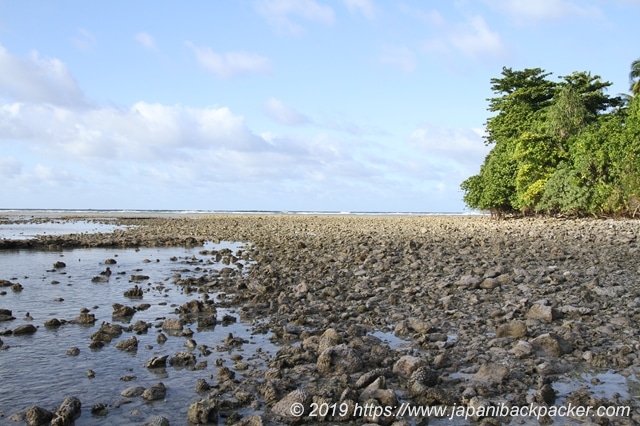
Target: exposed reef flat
492,312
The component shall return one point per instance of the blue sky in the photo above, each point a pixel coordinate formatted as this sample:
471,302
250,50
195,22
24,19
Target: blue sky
341,105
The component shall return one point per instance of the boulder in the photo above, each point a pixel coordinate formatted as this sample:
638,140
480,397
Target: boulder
38,416
514,329
551,344
155,392
491,374
337,360
69,411
204,411
406,365
24,330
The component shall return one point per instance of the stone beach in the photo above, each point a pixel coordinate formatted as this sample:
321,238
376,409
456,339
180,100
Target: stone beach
376,311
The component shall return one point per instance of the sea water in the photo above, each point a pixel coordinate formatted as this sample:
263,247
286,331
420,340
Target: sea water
35,369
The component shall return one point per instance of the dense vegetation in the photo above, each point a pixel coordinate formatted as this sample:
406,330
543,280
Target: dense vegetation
559,147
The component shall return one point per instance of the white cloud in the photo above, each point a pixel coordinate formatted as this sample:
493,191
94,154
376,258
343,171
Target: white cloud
464,148
365,7
399,56
37,79
281,113
476,39
230,64
146,40
281,13
539,10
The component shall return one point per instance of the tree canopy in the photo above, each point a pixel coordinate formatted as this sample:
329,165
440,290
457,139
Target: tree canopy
562,146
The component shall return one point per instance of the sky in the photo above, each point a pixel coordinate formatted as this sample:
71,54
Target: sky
300,105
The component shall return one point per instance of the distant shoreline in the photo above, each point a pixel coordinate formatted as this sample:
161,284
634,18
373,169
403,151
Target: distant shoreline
100,213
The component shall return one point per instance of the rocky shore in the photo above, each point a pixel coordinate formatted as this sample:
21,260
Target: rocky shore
493,313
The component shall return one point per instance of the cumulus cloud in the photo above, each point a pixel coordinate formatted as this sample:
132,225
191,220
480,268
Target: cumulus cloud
476,39
283,114
463,147
282,13
365,7
399,56
472,38
527,11
230,64
38,79
146,40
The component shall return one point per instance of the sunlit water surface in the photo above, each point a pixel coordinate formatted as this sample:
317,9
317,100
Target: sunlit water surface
35,369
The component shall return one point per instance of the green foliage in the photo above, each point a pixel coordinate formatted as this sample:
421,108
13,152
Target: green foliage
564,147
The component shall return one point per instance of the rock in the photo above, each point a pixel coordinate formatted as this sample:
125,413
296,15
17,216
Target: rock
157,362
545,395
478,404
85,318
122,311
139,278
336,360
551,344
132,391
17,288
53,323
541,312
134,292
172,324
469,281
522,349
99,409
69,411
74,351
329,338
297,398
181,359
406,365
155,392
24,330
204,411
421,380
157,421
202,386
59,264
6,315
141,327
224,374
514,329
161,338
38,416
110,262
491,374
129,345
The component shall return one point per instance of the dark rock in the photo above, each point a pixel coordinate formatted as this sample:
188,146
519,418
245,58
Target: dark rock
202,386
172,324
157,421
38,416
53,323
139,278
140,327
158,362
181,359
155,392
74,351
85,318
134,292
204,411
110,262
340,359
59,264
69,411
122,311
551,344
25,330
129,345
132,392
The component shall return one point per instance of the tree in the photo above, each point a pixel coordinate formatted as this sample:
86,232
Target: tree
634,77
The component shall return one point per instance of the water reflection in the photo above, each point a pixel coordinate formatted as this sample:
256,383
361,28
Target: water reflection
36,369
